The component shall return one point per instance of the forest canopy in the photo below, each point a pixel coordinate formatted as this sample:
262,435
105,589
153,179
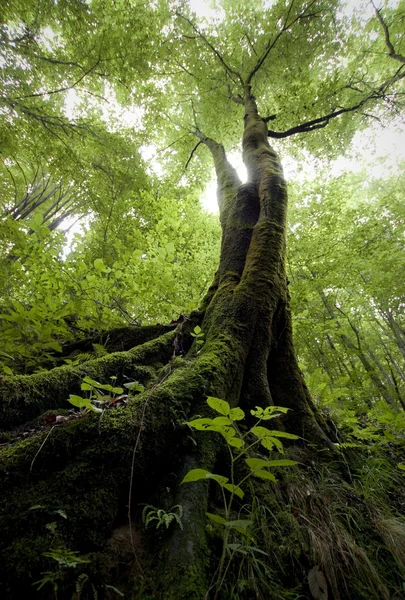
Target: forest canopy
112,114
92,90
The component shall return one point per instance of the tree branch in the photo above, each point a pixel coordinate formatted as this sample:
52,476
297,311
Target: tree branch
318,123
272,43
229,70
62,89
191,155
388,43
321,122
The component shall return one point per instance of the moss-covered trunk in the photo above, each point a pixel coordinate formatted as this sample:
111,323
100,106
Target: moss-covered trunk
80,484
247,307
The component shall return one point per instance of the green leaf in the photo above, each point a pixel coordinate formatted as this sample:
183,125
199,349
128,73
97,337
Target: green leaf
196,475
102,386
281,409
80,402
55,346
283,434
134,386
235,489
256,463
261,432
99,264
216,518
270,442
200,424
264,475
241,523
221,421
219,479
116,390
235,441
91,381
236,414
220,406
234,547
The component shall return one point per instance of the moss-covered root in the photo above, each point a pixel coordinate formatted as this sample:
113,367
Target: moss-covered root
24,397
185,556
119,339
82,469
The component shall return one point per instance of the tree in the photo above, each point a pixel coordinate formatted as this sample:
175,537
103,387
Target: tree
83,469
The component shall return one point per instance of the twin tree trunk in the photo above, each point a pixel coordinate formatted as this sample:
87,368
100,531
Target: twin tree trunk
246,309
86,467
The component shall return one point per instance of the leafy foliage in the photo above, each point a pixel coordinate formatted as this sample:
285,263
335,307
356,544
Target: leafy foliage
240,445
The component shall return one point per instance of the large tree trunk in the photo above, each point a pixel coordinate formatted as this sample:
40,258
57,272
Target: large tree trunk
247,308
94,468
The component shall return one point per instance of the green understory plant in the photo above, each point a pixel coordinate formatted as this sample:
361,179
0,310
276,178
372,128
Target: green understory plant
240,446
97,396
198,334
163,518
66,559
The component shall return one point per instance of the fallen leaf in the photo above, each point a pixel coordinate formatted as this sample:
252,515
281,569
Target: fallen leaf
317,584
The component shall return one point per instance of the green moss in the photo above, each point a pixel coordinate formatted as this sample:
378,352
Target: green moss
24,397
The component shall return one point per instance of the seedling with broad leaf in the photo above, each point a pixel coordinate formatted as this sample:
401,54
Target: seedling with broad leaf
240,446
101,394
198,334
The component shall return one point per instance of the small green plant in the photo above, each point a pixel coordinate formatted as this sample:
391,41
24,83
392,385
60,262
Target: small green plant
134,386
83,581
162,518
66,559
198,334
239,446
98,396
50,577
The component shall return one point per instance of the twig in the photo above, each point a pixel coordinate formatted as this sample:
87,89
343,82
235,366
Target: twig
191,155
388,43
41,446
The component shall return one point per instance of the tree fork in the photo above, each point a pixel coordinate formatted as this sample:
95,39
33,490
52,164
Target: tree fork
249,302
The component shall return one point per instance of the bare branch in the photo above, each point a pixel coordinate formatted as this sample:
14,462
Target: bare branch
245,33
271,43
318,123
191,155
62,89
321,122
229,70
388,43
47,121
